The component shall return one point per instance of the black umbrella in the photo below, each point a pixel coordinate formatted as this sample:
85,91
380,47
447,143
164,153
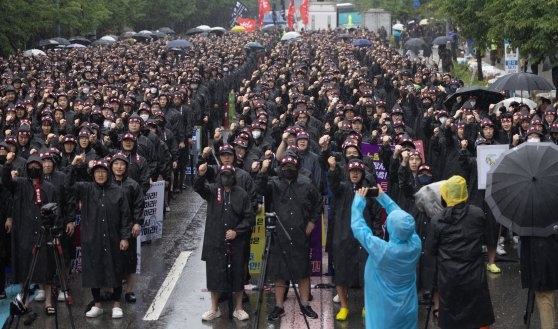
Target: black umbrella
102,42
142,36
194,30
167,30
441,40
61,41
521,81
46,43
416,44
485,97
81,40
522,189
178,44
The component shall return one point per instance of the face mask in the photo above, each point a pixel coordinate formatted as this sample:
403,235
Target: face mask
227,180
426,105
86,90
533,139
144,116
289,173
153,90
473,103
351,157
424,179
256,134
106,124
34,173
443,120
2,159
225,69
194,86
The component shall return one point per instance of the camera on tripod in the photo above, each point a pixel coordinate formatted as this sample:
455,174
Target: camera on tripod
270,220
48,215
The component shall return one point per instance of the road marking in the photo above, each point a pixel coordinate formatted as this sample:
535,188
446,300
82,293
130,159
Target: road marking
160,300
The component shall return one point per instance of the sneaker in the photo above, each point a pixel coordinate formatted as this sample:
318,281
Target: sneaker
309,312
210,315
515,239
363,313
501,240
500,250
167,209
40,296
117,313
336,299
61,296
276,313
94,312
492,268
342,314
241,315
484,249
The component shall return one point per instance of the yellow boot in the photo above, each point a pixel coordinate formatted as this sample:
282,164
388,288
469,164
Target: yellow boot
342,314
363,312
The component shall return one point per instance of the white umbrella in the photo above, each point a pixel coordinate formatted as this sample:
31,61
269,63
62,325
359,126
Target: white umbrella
34,52
526,101
204,27
108,38
398,26
290,36
75,45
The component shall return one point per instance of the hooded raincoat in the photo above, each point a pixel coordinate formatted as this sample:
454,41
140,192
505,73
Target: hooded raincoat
390,273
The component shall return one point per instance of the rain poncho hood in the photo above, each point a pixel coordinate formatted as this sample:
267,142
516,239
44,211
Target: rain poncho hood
390,273
454,190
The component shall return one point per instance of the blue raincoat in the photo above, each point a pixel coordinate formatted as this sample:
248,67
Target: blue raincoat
390,291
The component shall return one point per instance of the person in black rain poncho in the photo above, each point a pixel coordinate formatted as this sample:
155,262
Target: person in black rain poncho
229,218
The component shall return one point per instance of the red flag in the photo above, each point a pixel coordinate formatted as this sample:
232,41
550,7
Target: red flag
264,7
304,11
291,13
248,24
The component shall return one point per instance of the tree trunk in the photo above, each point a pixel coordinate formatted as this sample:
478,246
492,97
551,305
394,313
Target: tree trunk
479,66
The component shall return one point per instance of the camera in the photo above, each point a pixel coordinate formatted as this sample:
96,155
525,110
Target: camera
372,192
270,220
48,214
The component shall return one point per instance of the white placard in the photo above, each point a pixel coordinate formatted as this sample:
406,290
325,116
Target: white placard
153,212
486,158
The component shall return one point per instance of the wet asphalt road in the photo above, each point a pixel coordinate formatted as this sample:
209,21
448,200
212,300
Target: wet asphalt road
183,231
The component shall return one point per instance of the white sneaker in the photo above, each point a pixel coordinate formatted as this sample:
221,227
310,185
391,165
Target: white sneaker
501,240
94,312
500,250
117,313
336,299
40,296
515,239
61,296
484,249
241,315
210,315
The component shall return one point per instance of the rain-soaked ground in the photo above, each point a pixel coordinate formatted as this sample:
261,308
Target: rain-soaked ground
181,305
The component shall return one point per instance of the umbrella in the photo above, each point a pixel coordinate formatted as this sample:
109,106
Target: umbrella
204,28
254,46
522,189
166,30
75,45
521,81
485,97
127,34
61,41
362,43
102,42
218,30
398,27
269,28
109,38
290,36
442,40
416,44
178,43
194,30
526,101
238,28
343,36
48,43
81,40
34,52
141,36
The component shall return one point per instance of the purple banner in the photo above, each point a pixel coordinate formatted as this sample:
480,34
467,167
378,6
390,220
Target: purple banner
316,248
372,151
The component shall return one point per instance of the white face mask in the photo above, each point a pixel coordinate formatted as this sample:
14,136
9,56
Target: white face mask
107,124
144,116
473,103
194,86
86,90
443,120
256,134
533,139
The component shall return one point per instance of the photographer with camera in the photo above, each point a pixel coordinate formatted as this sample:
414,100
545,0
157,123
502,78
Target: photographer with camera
390,290
30,194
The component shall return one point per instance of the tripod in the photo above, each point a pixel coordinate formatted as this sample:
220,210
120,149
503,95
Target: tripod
271,220
17,307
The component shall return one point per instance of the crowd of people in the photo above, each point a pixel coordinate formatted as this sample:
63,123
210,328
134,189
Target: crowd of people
93,128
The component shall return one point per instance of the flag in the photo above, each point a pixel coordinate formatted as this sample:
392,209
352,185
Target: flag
264,7
304,11
247,23
290,15
239,10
